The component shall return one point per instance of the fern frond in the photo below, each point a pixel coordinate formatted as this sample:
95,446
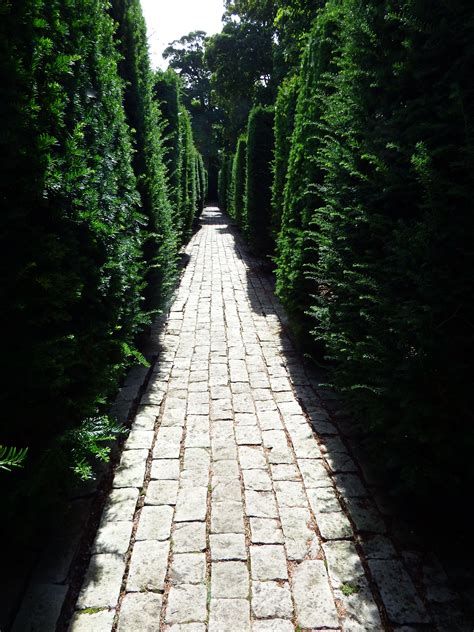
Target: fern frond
11,457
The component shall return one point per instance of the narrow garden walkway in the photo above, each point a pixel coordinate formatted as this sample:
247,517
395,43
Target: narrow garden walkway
237,506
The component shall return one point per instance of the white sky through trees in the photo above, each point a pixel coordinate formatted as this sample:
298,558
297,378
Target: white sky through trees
168,20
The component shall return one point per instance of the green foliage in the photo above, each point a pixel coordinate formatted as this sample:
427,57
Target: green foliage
188,181
71,234
224,193
258,191
349,589
239,176
87,227
168,98
297,246
285,110
143,117
186,57
240,59
12,457
377,226
293,22
202,179
89,443
186,173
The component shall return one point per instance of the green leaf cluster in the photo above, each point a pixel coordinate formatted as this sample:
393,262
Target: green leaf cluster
374,257
186,173
258,187
88,236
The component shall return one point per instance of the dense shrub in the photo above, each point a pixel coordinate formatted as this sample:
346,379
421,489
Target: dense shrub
258,189
167,95
224,192
143,117
186,173
382,192
87,228
285,111
239,176
297,246
202,180
71,224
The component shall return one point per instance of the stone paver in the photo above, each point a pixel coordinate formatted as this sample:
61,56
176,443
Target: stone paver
186,604
229,615
92,621
398,592
268,562
188,568
313,599
241,520
229,580
101,587
271,599
148,566
140,611
155,523
228,546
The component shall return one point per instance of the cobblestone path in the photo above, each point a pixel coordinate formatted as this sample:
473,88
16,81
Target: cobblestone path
225,513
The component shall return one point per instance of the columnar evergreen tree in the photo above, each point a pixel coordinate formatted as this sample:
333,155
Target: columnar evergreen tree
144,119
285,110
224,182
258,191
297,245
71,223
183,162
411,334
381,162
238,181
167,95
202,183
188,174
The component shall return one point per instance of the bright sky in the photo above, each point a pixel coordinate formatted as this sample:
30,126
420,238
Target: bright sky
168,20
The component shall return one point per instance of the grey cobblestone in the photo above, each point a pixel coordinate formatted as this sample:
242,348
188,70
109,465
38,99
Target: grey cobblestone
148,566
236,469
229,580
155,523
140,611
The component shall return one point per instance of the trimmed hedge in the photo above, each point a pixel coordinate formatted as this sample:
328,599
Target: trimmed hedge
188,174
297,245
382,190
87,227
71,234
144,118
285,112
167,95
224,188
239,176
258,190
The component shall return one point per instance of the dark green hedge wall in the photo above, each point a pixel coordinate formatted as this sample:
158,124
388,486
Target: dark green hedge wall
381,186
71,227
144,118
188,183
285,112
297,246
258,192
186,173
224,184
239,176
167,95
87,229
